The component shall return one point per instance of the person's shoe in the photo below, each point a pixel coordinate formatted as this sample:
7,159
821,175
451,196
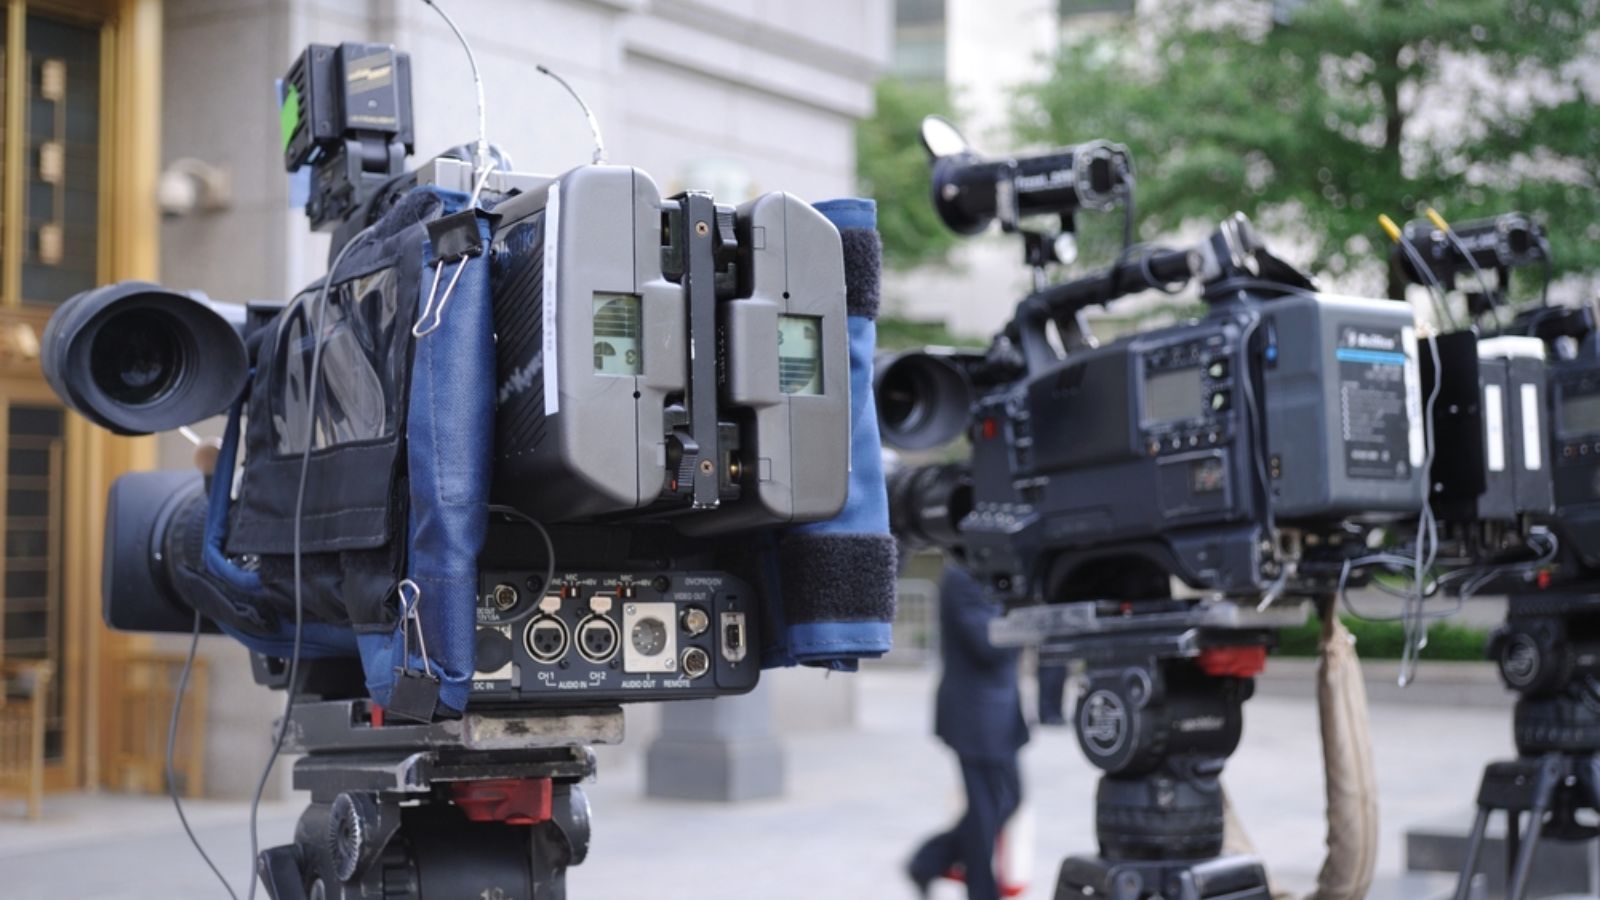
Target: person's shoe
923,883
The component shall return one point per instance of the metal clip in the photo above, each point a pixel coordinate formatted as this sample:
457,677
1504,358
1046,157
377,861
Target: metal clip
455,238
417,330
409,614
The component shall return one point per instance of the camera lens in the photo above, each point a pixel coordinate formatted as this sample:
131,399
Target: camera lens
1101,177
1519,239
901,398
137,362
922,400
927,504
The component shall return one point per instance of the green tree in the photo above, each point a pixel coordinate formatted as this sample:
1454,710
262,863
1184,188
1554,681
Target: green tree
892,168
1328,112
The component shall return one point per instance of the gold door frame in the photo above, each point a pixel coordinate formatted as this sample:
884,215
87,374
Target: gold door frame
129,224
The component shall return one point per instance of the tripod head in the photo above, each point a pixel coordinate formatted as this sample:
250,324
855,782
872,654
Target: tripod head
485,805
1548,651
1160,713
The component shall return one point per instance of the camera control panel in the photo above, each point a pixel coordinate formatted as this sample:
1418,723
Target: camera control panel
1187,396
591,637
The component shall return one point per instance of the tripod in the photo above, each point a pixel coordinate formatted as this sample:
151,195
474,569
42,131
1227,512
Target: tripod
1547,654
1160,714
486,806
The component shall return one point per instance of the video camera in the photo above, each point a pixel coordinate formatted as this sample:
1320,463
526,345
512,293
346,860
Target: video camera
1250,453
1234,452
1519,496
537,440
1517,398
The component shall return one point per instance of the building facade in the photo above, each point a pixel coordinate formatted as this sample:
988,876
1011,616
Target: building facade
79,87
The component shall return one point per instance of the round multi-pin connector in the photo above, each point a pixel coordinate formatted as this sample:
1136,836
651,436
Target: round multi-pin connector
696,662
649,636
504,596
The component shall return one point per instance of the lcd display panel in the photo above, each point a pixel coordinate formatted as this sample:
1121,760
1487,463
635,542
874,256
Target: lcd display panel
799,355
1173,395
617,347
1580,414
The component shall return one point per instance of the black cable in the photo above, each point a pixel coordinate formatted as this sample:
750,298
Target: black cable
312,396
172,739
1256,422
549,546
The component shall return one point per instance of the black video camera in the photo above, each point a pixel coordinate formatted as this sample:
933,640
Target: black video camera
1508,400
1245,452
536,440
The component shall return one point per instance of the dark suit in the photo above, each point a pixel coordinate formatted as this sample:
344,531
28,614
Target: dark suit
979,715
1052,678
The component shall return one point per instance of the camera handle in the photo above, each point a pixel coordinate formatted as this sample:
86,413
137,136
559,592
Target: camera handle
1064,304
1232,251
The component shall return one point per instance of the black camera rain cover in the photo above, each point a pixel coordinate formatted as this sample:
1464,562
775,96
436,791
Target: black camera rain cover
355,493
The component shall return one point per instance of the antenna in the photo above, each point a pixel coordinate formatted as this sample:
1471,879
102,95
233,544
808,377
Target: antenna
482,160
594,125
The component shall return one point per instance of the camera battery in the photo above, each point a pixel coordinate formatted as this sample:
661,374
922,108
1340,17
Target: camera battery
1342,387
1489,412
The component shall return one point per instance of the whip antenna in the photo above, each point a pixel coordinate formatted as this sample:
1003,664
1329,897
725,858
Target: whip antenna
594,125
481,159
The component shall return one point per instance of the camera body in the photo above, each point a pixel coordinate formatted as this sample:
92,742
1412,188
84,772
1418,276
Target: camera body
532,441
1509,404
1178,450
1244,453
1574,388
1491,413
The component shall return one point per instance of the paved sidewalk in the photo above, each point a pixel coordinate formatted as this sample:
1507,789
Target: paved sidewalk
858,802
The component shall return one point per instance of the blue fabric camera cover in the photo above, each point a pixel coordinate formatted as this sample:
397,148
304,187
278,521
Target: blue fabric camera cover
830,584
836,579
449,434
449,441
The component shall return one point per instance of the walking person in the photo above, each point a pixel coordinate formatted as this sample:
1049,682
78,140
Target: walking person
1052,678
979,716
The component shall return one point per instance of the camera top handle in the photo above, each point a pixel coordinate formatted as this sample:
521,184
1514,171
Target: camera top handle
1231,251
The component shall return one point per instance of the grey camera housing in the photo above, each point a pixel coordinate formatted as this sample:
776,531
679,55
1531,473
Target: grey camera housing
573,440
1344,408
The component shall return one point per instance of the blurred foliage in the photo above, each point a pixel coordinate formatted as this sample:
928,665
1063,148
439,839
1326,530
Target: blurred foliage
1384,640
911,334
892,168
1329,112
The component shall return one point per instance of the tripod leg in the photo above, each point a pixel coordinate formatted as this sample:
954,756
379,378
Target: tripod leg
1543,793
1469,868
1513,844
